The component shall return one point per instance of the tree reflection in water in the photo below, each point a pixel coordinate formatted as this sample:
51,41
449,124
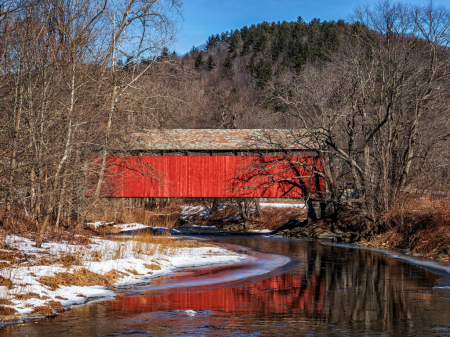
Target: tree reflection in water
279,294
334,291
354,288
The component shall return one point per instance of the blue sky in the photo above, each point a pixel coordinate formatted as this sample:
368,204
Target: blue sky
206,17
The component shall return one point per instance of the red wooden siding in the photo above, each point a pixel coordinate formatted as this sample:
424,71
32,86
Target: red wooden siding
198,176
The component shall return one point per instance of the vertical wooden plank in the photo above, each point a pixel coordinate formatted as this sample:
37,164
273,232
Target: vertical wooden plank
193,176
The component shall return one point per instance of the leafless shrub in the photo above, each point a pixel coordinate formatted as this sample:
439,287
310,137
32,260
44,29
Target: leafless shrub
421,225
275,217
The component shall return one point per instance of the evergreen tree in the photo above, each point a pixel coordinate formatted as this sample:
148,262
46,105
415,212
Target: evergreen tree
263,73
245,49
292,42
251,65
211,42
193,51
210,65
129,63
164,54
261,41
199,60
235,41
228,67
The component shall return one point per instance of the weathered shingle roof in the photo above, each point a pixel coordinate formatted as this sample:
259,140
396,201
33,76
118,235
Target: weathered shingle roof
220,139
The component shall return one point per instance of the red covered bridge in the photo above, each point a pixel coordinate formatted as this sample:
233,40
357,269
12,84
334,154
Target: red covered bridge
215,163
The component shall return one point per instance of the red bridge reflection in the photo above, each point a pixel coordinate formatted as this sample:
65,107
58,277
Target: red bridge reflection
278,294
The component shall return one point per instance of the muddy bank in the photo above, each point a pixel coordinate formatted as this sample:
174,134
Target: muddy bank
318,230
328,231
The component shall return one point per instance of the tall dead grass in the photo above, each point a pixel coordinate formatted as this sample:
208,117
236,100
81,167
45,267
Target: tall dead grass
147,244
120,212
275,217
81,277
420,224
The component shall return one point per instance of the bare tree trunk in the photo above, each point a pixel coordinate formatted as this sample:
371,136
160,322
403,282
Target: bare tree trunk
61,163
18,108
61,201
105,148
258,208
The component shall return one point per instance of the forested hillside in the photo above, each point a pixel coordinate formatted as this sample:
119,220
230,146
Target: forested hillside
286,45
236,66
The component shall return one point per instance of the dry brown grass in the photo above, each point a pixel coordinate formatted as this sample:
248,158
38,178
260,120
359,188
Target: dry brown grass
7,311
226,213
61,298
6,282
23,226
80,277
13,256
120,212
132,271
275,217
105,229
55,305
29,295
152,266
421,225
146,218
18,223
67,260
44,261
42,310
5,301
162,220
147,244
4,265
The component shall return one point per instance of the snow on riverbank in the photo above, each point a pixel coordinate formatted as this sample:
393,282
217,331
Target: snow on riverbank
137,226
261,231
26,285
130,226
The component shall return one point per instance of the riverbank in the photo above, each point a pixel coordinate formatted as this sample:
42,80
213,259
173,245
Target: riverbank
42,282
419,226
72,270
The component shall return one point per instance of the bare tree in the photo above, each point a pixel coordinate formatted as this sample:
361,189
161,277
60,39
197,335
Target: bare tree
62,92
138,30
380,107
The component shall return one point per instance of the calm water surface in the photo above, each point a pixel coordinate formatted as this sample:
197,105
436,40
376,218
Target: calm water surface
325,290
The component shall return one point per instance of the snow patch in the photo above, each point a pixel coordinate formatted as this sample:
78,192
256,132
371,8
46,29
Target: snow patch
100,257
130,226
261,231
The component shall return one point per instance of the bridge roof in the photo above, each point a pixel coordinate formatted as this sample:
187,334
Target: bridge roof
221,140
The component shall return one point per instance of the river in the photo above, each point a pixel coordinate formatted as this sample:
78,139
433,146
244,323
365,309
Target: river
319,290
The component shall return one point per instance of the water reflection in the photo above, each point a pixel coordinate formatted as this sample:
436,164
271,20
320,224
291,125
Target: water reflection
279,294
333,291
